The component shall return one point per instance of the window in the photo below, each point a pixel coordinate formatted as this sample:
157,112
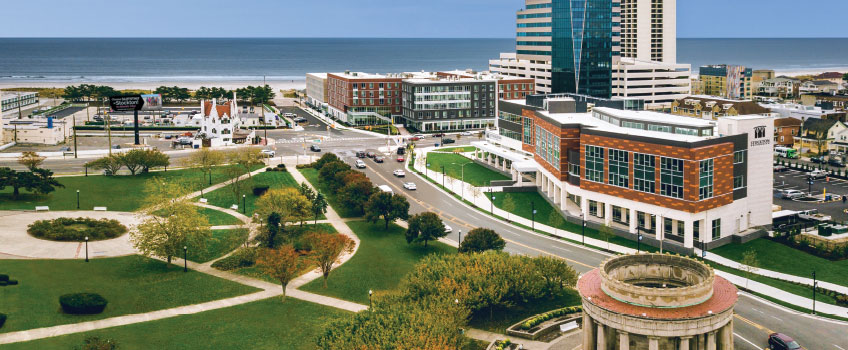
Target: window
574,169
668,226
593,208
528,131
738,182
739,156
671,177
644,172
696,230
594,164
705,185
716,229
619,168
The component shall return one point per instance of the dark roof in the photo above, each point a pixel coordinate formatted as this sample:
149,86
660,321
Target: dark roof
829,75
744,107
818,125
823,82
788,121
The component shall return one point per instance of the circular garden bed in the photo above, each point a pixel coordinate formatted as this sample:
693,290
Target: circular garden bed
76,229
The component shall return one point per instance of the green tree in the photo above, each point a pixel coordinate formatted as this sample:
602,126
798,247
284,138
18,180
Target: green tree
555,219
247,158
605,232
203,93
481,239
555,273
307,191
508,205
205,160
167,94
425,227
38,181
111,164
290,204
273,227
319,206
750,264
386,206
153,158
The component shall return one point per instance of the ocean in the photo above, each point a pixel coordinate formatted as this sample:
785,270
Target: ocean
96,60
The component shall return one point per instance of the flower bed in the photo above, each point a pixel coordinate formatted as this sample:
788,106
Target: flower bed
505,344
543,324
70,229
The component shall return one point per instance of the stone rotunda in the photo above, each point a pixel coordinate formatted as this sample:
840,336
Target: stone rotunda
654,302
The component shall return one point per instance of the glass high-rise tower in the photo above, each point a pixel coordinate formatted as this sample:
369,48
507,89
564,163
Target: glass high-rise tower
577,38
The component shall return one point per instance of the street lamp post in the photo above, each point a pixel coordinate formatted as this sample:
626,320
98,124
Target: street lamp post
78,200
491,201
86,248
443,176
370,305
244,204
639,240
459,239
583,232
185,258
533,216
815,284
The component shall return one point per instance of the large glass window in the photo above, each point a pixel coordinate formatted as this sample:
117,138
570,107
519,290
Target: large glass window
594,163
619,168
644,172
739,182
705,185
547,147
716,229
528,131
671,177
739,156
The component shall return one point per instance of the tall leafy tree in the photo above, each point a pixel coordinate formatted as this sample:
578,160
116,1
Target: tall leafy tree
111,163
206,160
425,227
31,160
246,158
326,248
481,239
291,205
319,206
386,206
283,264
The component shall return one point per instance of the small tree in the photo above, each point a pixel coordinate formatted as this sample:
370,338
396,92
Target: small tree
205,160
31,160
606,233
555,219
306,191
287,202
508,205
425,227
319,206
131,159
39,181
283,264
153,158
326,248
111,164
235,183
387,206
750,264
481,239
272,230
556,274
246,158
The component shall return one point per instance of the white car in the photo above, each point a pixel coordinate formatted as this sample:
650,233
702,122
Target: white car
420,136
360,164
268,153
410,186
466,133
448,229
818,174
399,173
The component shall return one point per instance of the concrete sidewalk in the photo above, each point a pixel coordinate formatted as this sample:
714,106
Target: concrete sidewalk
778,275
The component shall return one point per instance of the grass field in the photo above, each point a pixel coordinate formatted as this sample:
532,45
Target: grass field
382,260
131,284
457,149
225,197
475,174
118,193
500,320
293,236
265,324
218,218
221,243
781,258
312,176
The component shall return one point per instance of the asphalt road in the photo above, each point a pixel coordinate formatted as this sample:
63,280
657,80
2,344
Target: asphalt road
797,180
755,318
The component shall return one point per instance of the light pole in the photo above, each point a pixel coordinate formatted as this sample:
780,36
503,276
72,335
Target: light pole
370,305
491,201
244,204
185,258
443,176
462,177
639,240
815,284
583,233
78,200
459,239
533,216
86,248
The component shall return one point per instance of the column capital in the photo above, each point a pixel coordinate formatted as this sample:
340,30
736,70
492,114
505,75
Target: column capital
621,332
688,337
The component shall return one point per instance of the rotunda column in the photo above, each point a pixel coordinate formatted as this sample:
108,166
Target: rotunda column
623,340
684,343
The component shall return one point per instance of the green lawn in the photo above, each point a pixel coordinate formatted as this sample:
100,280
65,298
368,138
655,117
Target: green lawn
523,209
793,288
131,284
118,193
475,174
225,197
265,324
218,218
778,257
457,149
501,320
382,260
311,175
221,243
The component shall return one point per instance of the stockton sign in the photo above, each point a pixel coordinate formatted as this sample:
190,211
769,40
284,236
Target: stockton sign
760,138
135,103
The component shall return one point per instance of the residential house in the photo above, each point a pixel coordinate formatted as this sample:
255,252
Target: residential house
835,77
785,131
781,87
711,107
819,86
826,100
817,134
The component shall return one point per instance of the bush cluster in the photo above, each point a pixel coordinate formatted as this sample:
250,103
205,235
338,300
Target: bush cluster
788,238
539,319
260,190
76,229
82,303
5,281
242,257
2,319
502,344
279,167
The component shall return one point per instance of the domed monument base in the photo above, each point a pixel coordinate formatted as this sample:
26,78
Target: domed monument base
656,301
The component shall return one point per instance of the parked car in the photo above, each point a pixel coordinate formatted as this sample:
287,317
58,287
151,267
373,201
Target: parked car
168,137
441,134
399,173
813,215
792,194
360,154
184,141
817,159
835,161
447,141
315,148
401,150
370,154
414,138
116,146
401,159
818,174
299,120
360,164
780,341
779,168
65,149
448,229
419,136
410,186
379,159
466,133
268,153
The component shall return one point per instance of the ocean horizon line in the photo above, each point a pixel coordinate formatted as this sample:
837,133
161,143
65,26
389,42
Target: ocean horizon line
394,38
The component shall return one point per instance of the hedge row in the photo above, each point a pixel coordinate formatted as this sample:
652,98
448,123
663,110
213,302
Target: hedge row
83,303
539,319
76,229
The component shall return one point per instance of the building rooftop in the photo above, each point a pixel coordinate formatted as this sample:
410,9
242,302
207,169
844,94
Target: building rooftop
319,75
658,117
587,120
11,94
742,106
361,75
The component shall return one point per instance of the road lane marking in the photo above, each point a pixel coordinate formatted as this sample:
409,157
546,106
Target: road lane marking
757,325
748,341
838,347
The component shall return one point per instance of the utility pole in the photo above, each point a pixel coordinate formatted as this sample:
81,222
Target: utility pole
264,123
74,128
108,131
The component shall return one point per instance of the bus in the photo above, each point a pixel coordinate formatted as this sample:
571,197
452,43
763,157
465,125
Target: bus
786,152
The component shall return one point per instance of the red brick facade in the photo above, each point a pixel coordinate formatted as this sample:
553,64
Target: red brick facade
340,92
512,89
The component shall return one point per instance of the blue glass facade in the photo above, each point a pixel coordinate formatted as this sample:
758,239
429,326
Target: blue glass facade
581,57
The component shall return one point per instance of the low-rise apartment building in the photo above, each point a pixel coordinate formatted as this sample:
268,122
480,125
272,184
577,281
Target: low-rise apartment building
826,101
13,99
509,88
802,112
672,179
316,90
785,131
727,81
711,107
780,88
364,99
449,103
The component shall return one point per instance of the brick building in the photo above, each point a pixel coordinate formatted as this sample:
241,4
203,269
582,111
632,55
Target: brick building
364,99
678,180
785,131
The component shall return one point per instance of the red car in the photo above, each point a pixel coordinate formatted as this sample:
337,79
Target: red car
780,341
414,138
400,159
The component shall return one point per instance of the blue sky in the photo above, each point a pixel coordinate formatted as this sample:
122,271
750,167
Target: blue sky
384,18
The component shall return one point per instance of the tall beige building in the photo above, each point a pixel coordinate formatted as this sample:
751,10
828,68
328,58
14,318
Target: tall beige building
649,30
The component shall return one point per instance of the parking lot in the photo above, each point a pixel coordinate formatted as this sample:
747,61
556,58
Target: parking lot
797,180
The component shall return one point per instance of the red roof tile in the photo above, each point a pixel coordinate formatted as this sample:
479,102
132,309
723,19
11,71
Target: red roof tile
222,109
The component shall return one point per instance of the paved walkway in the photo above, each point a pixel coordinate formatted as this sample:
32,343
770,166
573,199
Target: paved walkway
778,275
16,243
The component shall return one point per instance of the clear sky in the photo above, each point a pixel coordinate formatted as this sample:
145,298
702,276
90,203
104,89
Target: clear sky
384,18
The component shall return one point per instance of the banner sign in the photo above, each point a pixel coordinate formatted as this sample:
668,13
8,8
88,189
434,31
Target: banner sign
129,103
151,102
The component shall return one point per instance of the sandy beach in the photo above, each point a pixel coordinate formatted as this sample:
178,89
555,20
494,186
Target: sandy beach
150,85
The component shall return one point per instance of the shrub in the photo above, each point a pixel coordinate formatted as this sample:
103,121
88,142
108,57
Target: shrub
76,229
82,303
242,257
96,343
281,166
4,277
541,318
4,283
260,190
2,319
12,282
303,166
